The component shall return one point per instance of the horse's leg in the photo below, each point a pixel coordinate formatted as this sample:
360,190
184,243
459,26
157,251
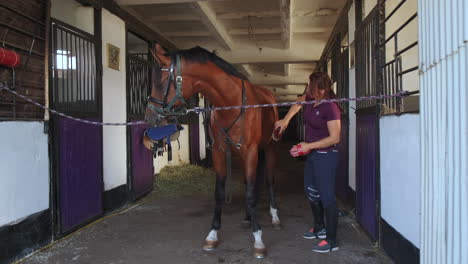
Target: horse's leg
251,161
219,163
246,223
270,168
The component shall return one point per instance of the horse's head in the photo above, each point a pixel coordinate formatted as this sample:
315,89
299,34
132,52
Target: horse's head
167,100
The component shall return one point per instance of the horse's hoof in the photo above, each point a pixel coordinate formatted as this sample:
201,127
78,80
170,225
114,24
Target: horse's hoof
210,245
276,226
260,253
245,224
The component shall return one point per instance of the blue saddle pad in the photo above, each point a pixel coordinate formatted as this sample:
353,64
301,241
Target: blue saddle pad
163,132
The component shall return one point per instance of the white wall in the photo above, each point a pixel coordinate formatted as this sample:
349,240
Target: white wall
352,104
400,174
73,13
179,156
24,173
114,104
367,6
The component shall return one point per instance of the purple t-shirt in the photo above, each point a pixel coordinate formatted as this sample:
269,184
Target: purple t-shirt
315,120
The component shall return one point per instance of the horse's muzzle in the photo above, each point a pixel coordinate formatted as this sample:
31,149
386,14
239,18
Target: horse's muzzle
154,119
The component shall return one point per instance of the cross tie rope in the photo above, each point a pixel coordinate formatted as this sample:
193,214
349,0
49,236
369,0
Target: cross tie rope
201,109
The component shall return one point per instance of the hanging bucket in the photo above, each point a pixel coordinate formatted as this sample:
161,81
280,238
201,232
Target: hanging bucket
9,58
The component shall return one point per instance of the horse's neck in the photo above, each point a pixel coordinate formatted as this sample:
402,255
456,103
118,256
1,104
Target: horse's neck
223,92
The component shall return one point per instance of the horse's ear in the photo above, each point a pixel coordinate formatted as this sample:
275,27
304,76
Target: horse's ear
160,55
159,49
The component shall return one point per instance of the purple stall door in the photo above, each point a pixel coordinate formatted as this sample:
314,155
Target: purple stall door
142,163
80,176
366,177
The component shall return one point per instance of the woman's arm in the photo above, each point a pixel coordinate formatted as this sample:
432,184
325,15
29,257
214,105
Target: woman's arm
334,131
283,123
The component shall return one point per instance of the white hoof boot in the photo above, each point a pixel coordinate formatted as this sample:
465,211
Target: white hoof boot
211,241
275,221
259,248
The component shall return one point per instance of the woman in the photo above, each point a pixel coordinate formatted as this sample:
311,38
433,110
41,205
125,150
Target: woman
323,127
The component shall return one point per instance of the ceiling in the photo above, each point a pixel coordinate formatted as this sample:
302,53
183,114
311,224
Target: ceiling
275,43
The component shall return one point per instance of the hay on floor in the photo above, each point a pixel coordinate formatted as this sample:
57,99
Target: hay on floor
188,179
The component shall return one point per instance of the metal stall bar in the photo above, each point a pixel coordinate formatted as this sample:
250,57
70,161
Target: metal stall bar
392,70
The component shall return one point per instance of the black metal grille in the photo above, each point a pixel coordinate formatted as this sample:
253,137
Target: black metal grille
143,56
390,84
74,80
393,71
138,84
367,48
341,76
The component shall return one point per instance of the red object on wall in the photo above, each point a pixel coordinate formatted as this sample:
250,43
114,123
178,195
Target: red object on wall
9,58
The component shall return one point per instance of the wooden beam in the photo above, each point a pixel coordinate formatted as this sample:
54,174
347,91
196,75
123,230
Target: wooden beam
208,16
153,2
233,32
133,23
241,15
283,91
172,18
275,89
287,98
321,12
247,69
341,25
186,34
285,10
286,69
258,31
313,30
278,30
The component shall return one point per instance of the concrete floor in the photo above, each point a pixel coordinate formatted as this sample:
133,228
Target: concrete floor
172,228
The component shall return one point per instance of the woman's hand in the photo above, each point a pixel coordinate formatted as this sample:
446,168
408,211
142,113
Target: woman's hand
282,124
306,147
300,149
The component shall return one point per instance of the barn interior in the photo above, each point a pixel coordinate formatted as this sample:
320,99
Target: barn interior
276,44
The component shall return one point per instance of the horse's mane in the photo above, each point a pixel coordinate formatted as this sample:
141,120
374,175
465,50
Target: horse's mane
201,55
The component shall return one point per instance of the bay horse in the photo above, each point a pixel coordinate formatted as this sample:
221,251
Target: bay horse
246,132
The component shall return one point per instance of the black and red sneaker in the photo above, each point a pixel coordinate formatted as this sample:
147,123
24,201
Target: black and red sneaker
315,233
324,246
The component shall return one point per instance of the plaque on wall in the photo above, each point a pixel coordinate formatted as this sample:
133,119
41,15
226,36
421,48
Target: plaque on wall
113,57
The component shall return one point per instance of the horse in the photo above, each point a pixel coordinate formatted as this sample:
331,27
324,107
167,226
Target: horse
245,132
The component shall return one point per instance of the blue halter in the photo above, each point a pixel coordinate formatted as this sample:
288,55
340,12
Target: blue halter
161,136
